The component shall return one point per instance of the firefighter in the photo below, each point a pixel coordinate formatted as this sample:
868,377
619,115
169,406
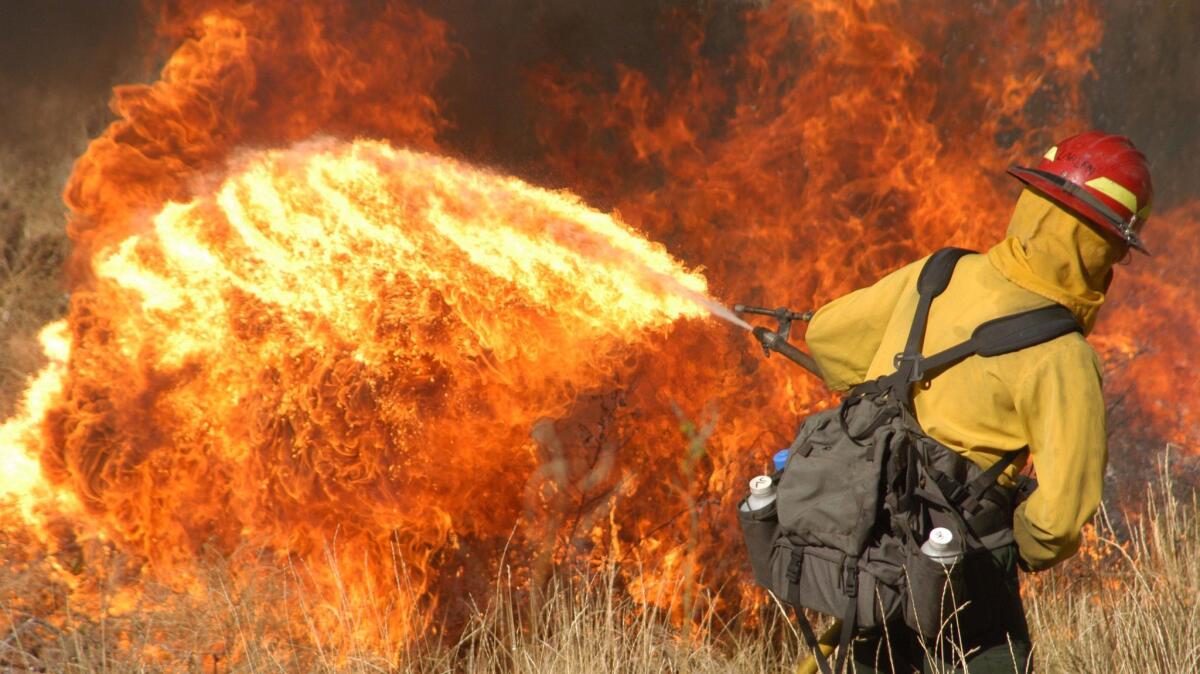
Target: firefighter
1081,211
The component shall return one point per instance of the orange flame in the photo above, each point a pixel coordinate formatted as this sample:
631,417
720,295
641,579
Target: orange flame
345,341
21,479
425,360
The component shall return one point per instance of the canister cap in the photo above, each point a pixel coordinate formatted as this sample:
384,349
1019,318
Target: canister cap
941,538
781,458
761,485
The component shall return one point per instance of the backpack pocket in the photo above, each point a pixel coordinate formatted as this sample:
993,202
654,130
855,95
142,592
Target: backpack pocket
881,585
760,528
935,592
829,491
825,580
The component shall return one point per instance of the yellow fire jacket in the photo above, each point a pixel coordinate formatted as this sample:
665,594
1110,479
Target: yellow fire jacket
1046,397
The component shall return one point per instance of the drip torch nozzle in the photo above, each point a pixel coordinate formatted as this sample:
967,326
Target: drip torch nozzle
778,341
772,341
767,337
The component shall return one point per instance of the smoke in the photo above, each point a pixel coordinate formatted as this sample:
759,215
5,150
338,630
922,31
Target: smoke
1147,86
1143,84
486,93
60,59
58,63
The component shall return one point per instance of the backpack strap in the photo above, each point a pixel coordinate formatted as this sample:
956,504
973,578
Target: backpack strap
849,620
934,279
993,338
967,497
1003,335
810,640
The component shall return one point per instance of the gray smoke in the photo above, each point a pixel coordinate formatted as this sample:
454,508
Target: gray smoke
58,64
1148,87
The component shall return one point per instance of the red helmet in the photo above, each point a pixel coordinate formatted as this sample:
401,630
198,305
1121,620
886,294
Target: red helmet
1103,178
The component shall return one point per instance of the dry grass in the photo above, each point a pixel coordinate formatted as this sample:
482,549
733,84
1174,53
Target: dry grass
31,292
587,624
1129,603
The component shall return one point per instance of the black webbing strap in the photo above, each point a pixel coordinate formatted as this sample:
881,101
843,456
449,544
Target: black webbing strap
993,338
1005,335
849,619
795,568
984,481
810,639
849,622
967,496
934,278
991,519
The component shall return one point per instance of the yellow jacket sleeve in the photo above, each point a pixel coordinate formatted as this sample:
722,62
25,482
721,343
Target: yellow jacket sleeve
1058,398
844,335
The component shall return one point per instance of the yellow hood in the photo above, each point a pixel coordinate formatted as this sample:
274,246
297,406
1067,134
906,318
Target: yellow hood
1052,253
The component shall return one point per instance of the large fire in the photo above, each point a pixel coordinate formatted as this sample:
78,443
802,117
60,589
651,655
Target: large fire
286,339
342,341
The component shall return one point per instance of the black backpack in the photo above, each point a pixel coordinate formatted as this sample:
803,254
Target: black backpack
864,485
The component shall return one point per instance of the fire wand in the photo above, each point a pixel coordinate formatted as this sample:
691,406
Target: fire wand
777,340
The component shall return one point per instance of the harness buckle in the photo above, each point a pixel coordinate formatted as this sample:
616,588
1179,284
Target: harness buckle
795,565
850,576
952,490
917,372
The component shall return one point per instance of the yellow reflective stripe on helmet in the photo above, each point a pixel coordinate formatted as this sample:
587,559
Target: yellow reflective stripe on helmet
1115,191
1051,153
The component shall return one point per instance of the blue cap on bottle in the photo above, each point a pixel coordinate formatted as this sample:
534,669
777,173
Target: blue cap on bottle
781,458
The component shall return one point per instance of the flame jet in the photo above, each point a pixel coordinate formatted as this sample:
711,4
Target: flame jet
344,339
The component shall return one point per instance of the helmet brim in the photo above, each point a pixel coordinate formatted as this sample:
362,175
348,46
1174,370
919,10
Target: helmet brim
1084,210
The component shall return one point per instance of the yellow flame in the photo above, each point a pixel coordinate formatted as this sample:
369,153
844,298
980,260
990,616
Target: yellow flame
21,477
308,241
311,342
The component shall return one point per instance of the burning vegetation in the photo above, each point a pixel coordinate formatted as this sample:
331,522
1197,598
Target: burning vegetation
316,317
